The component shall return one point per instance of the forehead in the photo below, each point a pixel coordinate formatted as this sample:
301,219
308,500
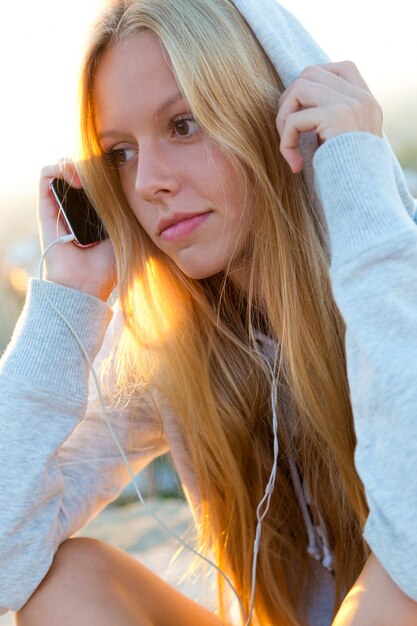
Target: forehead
134,75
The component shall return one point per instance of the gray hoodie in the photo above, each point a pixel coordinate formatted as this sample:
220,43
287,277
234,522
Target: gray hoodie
60,466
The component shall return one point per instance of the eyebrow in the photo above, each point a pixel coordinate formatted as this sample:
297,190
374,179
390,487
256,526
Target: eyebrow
176,97
169,101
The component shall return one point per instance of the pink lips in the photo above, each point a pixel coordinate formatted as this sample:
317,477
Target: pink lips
182,226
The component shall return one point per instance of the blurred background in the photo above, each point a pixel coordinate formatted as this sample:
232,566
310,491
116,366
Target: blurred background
40,52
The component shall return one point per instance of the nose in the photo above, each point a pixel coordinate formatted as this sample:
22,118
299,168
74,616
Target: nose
156,176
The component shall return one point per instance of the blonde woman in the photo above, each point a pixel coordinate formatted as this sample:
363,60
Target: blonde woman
199,122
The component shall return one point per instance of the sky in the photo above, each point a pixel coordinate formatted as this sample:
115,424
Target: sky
41,47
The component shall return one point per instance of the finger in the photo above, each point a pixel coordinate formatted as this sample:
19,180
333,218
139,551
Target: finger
50,225
69,172
349,84
343,77
64,169
348,71
300,122
331,79
307,93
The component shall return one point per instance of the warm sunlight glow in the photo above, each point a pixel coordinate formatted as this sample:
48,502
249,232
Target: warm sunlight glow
151,301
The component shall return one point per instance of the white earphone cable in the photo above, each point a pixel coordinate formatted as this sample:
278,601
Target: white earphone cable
270,485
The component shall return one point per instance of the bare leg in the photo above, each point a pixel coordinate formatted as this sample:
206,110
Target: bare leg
91,583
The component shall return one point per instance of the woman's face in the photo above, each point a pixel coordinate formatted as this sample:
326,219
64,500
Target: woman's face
180,185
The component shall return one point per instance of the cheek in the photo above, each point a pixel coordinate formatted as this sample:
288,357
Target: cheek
228,182
142,214
145,220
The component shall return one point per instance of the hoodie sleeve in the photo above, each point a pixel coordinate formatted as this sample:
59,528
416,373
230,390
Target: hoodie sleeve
373,242
60,465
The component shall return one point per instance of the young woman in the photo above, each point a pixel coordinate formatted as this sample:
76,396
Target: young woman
199,123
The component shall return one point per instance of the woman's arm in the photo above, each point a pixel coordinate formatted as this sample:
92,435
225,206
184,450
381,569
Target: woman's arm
60,465
374,272
373,241
375,600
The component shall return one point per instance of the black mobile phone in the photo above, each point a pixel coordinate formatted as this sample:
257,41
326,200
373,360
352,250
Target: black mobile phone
79,214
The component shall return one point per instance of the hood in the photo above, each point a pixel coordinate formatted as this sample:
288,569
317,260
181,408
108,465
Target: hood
286,42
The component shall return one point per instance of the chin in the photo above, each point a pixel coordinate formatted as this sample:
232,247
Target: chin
198,271
197,275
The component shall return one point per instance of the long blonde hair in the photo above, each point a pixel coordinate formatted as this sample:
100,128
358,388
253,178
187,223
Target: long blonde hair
196,341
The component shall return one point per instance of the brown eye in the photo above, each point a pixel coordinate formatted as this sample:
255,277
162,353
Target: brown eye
182,127
119,157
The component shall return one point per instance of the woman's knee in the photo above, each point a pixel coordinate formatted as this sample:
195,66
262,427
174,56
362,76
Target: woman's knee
77,560
80,555
96,584
79,578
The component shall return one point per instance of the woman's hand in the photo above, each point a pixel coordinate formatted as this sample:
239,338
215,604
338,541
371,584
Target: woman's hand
92,269
375,600
329,99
